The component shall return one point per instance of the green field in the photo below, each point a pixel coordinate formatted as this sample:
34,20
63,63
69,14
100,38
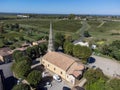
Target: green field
110,30
38,28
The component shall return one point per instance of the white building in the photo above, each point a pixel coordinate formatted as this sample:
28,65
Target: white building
81,43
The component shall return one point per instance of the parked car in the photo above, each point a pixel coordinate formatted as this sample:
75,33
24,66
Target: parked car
57,78
48,84
66,88
94,67
45,74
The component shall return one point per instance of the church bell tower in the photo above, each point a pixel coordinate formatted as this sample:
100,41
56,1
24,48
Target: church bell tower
50,42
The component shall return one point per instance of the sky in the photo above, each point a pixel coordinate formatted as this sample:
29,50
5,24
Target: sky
105,7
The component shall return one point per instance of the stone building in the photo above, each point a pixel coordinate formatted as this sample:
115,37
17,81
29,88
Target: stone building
68,67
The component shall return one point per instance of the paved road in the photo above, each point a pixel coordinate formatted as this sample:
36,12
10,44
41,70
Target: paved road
57,86
1,85
109,67
7,69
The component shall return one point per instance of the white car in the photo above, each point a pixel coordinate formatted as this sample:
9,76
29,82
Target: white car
48,84
45,74
57,78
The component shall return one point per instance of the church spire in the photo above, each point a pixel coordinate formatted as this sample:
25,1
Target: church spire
50,42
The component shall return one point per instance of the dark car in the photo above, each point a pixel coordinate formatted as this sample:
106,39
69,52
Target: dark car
66,88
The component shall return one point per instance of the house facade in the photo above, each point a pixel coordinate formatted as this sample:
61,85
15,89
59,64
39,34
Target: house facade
68,67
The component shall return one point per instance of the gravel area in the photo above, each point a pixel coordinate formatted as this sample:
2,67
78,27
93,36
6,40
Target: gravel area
108,66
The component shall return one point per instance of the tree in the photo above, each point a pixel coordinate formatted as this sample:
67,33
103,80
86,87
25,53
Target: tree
105,50
116,44
94,75
25,58
1,28
21,87
31,52
71,16
22,69
37,52
59,39
34,77
114,84
81,52
112,50
17,55
68,48
116,54
42,48
86,34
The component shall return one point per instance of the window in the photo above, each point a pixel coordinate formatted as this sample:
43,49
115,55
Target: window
67,76
54,69
61,72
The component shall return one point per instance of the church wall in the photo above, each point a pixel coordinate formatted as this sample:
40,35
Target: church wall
54,68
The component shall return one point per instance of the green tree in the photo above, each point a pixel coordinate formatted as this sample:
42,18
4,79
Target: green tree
22,69
31,52
42,48
21,87
59,39
17,55
94,75
114,84
25,58
71,16
68,48
34,77
1,28
86,34
36,49
81,52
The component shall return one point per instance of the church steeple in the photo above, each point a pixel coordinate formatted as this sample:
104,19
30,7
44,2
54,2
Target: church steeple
50,42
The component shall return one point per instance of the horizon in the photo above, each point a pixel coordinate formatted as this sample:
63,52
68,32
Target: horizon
94,7
16,13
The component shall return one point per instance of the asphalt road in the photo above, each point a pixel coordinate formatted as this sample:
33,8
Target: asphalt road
108,66
7,69
57,85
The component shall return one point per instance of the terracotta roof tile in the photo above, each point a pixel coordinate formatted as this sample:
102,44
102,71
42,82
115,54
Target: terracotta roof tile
76,69
59,59
5,51
65,62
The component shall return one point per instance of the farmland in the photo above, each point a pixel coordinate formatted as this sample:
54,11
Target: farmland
32,29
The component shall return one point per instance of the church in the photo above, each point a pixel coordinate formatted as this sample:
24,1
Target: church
66,66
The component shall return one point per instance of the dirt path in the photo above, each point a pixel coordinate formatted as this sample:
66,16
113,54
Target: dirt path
101,24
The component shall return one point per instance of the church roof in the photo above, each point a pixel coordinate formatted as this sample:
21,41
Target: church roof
65,62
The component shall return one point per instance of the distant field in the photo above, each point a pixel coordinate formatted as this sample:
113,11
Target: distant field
58,25
110,30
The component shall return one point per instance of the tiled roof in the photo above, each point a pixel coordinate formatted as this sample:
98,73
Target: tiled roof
59,59
65,62
5,51
76,69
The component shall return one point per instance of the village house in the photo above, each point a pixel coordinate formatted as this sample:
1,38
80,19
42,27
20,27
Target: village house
5,54
38,42
81,43
68,67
